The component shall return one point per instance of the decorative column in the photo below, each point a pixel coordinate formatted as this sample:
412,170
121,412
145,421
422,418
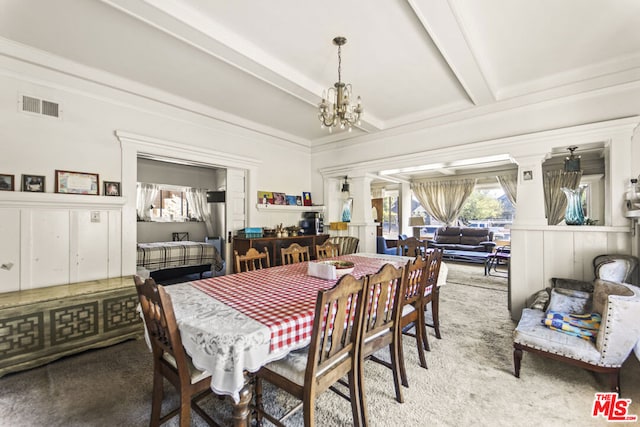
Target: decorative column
362,224
530,192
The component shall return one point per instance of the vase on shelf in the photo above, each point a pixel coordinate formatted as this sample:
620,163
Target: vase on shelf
574,215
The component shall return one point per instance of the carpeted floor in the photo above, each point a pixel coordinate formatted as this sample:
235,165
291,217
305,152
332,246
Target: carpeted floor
469,382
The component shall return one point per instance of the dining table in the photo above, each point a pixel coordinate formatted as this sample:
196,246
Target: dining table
233,325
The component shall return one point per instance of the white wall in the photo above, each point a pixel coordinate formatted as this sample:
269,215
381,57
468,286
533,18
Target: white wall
84,140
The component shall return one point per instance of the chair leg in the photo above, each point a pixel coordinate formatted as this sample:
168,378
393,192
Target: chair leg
435,311
403,369
422,340
257,390
156,399
614,381
395,364
185,409
357,399
517,358
359,383
308,408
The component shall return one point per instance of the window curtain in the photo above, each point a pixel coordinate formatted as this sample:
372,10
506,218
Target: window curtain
443,200
555,202
509,184
145,195
197,199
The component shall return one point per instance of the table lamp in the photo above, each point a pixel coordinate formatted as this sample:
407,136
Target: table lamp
417,222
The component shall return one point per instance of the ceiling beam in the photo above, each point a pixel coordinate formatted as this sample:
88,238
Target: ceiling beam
440,22
194,28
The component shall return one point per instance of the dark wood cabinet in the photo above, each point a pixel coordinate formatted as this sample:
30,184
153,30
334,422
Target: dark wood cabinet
274,244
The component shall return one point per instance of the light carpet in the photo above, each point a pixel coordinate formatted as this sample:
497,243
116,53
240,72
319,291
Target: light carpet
469,382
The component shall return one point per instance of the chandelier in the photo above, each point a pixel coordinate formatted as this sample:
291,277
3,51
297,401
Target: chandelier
336,107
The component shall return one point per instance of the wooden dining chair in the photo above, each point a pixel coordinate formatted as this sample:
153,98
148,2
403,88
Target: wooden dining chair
411,247
332,354
251,260
327,250
412,311
169,358
380,323
294,254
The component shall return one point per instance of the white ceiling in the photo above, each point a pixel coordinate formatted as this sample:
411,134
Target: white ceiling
263,64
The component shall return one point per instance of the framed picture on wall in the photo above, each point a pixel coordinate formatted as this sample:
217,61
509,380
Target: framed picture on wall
33,183
111,188
77,182
7,182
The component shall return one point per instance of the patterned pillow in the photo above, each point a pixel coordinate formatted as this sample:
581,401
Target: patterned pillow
569,301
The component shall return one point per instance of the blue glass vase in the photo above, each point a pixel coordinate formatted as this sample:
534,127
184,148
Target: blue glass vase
574,215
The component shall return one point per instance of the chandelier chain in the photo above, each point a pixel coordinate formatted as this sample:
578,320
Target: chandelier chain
339,64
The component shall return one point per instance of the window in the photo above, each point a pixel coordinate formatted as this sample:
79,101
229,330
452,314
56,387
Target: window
170,205
390,220
486,207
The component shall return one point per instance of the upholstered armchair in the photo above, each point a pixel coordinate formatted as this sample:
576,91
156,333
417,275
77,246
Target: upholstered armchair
346,244
618,334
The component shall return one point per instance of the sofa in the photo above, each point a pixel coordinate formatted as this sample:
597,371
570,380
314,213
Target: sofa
463,239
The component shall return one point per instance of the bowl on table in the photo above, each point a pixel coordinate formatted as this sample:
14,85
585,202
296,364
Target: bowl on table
342,267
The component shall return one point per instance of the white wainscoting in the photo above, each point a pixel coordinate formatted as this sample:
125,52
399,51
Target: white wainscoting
56,239
539,253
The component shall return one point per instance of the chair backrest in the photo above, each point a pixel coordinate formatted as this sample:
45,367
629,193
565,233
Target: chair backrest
252,260
160,324
434,261
327,250
294,254
383,297
336,331
410,247
416,280
346,244
615,268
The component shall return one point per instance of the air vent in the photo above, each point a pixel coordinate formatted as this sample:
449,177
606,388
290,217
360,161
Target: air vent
49,108
32,105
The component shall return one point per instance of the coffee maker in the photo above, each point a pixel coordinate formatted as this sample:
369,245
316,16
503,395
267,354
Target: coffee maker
312,223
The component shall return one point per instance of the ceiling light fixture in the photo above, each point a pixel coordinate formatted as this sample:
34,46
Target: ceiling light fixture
336,107
572,163
345,186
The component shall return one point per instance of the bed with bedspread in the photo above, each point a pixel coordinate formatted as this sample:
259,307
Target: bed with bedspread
166,260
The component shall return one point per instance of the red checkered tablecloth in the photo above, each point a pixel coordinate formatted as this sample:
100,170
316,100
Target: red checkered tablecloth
281,298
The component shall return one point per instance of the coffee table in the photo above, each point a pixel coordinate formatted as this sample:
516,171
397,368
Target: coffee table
466,256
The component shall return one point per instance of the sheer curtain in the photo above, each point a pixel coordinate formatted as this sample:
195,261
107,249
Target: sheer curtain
197,199
555,202
443,200
509,184
145,195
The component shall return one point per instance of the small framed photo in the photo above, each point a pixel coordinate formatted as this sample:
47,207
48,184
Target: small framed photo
291,200
77,182
527,175
7,182
111,188
33,183
279,199
306,198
